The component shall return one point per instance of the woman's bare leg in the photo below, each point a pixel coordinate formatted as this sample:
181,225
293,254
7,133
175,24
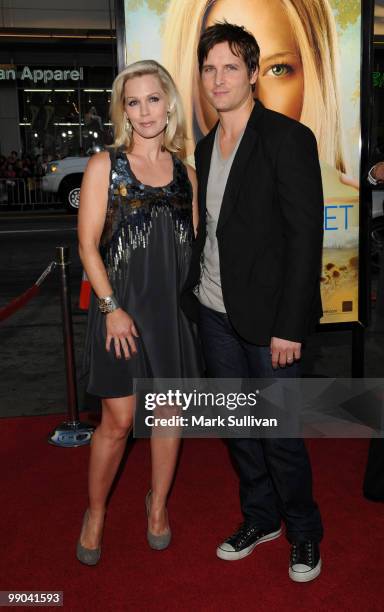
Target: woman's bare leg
107,448
164,452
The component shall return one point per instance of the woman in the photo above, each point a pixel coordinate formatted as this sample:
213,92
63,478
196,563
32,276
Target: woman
136,225
298,62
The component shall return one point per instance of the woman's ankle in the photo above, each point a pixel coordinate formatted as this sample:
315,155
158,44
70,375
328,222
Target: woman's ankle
96,513
157,502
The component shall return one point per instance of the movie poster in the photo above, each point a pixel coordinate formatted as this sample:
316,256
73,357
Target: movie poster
379,18
309,70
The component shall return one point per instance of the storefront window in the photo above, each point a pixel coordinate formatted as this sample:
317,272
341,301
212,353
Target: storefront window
68,117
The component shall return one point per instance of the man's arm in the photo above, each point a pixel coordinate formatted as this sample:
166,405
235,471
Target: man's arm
376,174
302,207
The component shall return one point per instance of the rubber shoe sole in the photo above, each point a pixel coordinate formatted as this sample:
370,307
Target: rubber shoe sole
227,555
305,576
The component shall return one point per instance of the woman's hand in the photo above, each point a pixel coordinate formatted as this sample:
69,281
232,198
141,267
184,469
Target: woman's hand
121,329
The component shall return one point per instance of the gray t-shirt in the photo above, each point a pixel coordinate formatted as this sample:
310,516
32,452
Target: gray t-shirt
209,291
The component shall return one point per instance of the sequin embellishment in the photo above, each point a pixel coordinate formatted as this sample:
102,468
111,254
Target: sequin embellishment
132,208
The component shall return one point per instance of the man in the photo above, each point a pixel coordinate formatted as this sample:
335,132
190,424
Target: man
373,487
254,280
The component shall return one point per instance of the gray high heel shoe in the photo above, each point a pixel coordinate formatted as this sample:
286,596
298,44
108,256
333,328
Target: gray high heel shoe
88,556
157,542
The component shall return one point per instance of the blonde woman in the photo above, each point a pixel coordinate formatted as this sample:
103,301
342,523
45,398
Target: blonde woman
298,62
136,225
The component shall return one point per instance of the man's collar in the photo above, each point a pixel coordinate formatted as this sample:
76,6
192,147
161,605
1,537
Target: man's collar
254,117
257,111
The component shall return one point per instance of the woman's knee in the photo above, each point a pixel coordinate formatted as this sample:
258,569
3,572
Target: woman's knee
116,431
117,418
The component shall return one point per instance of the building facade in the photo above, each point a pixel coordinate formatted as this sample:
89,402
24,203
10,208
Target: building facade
57,65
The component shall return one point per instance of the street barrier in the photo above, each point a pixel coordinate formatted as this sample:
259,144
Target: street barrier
24,192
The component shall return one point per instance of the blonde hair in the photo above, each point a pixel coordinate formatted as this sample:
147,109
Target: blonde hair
314,28
174,134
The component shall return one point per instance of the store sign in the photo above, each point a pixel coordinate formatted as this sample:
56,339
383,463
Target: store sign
40,75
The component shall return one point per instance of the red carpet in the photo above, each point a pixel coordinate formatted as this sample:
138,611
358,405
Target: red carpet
44,496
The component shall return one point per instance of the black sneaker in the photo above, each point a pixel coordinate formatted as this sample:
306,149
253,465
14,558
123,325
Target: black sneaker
243,542
305,563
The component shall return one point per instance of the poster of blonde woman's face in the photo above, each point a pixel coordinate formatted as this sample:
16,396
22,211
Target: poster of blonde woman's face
280,83
310,52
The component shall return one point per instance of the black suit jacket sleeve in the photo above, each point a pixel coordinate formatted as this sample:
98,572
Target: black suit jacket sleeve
300,196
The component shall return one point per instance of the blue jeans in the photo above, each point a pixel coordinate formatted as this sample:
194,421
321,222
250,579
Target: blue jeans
275,474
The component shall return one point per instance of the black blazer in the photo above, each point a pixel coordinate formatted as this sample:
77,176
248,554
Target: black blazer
269,232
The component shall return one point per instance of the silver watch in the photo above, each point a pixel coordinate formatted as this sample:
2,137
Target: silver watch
108,304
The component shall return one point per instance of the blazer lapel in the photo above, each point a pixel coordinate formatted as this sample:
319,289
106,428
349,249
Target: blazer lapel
234,182
204,167
248,142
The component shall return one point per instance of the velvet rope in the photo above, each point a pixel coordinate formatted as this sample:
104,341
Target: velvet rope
18,302
24,298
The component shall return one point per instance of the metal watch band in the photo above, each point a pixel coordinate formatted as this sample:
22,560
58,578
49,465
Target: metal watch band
108,304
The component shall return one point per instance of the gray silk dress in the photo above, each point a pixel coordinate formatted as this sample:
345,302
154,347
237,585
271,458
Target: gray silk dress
146,248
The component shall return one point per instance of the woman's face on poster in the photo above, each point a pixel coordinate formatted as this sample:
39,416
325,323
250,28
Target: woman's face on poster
280,84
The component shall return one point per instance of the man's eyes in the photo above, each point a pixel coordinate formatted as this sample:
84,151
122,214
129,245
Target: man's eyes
227,67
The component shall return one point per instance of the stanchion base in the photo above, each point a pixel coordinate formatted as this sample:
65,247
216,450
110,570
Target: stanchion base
71,433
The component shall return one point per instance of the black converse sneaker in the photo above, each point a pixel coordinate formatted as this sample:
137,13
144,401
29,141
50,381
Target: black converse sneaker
243,542
305,563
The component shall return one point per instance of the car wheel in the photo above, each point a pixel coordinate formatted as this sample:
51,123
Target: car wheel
377,242
70,194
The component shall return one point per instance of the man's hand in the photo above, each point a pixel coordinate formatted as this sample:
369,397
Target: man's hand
284,352
378,172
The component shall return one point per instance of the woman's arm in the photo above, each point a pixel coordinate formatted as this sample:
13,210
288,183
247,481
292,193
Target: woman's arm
91,219
195,209
93,206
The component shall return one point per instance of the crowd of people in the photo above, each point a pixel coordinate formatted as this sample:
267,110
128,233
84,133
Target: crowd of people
20,177
22,167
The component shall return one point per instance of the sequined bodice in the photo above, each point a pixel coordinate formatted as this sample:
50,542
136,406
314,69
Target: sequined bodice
135,210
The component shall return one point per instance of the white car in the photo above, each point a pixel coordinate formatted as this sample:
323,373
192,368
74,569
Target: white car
64,177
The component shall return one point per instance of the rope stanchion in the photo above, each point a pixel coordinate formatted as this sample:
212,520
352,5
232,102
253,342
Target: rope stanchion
71,432
24,298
